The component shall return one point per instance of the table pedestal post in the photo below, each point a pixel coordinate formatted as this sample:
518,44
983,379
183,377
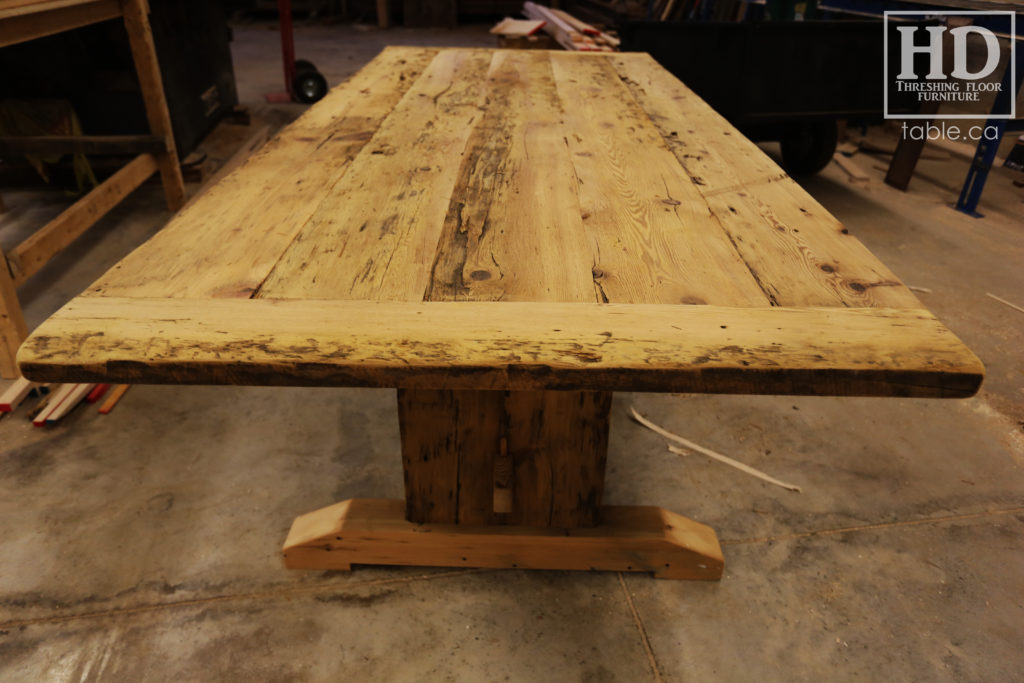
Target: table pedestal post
504,479
528,458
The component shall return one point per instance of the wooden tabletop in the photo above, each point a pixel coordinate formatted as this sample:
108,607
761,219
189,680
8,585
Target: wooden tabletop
490,219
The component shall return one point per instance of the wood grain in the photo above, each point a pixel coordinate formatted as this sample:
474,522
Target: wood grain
375,235
797,252
499,345
541,452
225,244
557,442
651,234
513,231
449,440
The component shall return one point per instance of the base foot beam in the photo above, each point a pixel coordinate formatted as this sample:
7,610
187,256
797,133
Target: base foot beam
629,538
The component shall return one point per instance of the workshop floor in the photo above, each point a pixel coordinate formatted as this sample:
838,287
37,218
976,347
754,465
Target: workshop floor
144,545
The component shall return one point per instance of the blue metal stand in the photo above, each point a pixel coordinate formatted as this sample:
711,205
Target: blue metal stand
985,155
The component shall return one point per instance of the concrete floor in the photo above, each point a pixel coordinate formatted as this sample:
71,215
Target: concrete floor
143,545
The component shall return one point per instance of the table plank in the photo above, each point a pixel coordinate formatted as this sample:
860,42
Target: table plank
503,345
651,233
225,244
798,252
514,229
375,235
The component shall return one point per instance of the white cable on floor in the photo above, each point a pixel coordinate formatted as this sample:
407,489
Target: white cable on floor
708,452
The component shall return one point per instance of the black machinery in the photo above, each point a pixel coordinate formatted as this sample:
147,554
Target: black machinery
789,81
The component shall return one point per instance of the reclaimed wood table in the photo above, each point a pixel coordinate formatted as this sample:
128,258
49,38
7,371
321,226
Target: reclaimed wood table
507,237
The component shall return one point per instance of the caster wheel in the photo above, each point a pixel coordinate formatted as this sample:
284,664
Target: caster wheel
304,65
309,86
810,148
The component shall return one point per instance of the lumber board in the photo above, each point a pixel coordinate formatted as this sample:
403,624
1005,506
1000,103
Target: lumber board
97,393
15,394
184,258
13,329
115,396
56,399
564,34
225,244
630,538
503,346
581,26
80,144
25,22
517,28
38,248
73,398
147,68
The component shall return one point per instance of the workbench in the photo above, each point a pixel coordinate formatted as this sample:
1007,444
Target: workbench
23,20
507,237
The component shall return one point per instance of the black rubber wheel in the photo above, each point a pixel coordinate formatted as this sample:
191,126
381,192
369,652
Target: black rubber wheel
809,149
304,65
309,86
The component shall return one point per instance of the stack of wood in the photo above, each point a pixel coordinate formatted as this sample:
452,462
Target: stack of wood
56,400
616,11
570,32
522,34
517,28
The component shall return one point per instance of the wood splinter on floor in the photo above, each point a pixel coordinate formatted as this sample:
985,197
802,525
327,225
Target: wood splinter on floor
708,452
